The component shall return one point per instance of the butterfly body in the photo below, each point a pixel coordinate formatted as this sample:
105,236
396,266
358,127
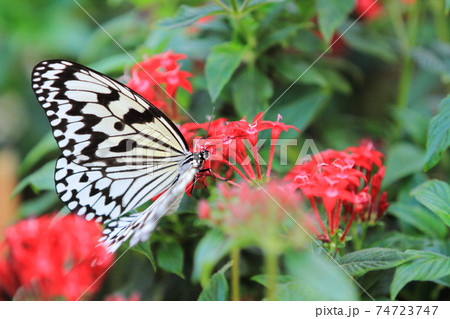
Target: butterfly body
118,150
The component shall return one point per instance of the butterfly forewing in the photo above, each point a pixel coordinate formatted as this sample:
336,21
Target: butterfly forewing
118,150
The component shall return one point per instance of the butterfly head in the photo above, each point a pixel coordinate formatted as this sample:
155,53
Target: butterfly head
204,154
200,158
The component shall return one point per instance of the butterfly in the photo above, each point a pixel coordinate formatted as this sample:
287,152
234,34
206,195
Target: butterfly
118,151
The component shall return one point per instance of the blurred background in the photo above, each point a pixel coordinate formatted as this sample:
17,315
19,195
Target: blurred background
383,80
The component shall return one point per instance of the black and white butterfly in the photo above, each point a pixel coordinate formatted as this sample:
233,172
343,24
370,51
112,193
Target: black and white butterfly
118,151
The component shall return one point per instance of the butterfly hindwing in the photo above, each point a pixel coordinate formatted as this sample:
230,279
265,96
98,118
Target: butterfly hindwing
139,225
118,150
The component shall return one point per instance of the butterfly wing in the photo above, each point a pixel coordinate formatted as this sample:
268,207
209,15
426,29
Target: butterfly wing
139,225
118,150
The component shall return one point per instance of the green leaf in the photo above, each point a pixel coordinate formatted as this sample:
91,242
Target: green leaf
331,15
445,281
360,262
209,251
403,159
416,126
447,6
288,288
402,241
39,205
301,71
420,218
438,134
217,287
170,258
309,106
220,66
430,61
363,40
46,145
435,195
336,81
251,91
41,179
262,279
114,63
279,36
428,266
187,15
320,277
145,249
253,4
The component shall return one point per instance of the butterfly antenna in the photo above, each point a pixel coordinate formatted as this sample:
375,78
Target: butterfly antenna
210,120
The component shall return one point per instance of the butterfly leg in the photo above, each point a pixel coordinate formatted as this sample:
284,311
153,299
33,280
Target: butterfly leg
209,170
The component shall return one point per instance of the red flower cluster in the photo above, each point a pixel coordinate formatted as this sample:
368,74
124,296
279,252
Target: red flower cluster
374,8
158,78
257,214
50,257
345,183
226,142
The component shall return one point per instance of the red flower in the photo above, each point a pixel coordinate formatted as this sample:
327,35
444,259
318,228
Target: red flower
374,8
204,211
158,78
345,184
370,8
52,257
226,142
265,215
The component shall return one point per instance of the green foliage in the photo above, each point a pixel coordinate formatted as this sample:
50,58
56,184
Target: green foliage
360,262
419,217
255,97
288,289
435,196
170,257
41,179
308,105
399,163
216,289
438,134
427,266
382,80
43,148
209,251
320,277
145,249
220,66
332,14
187,15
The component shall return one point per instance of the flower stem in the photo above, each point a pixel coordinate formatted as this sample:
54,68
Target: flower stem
269,165
234,6
349,224
364,233
271,261
256,159
244,5
357,243
316,212
407,65
440,20
235,274
234,168
220,3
